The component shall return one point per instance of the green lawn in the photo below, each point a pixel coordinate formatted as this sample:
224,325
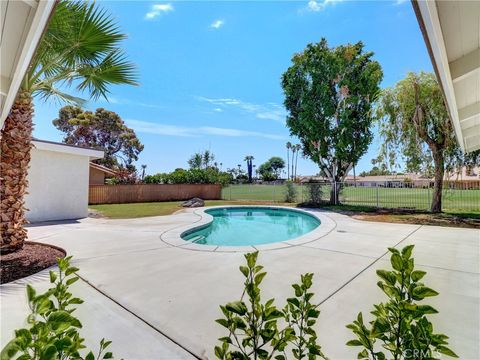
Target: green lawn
453,200
135,210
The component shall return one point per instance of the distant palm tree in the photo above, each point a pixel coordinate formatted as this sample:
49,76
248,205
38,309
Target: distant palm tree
294,150
249,159
143,170
289,146
298,147
81,46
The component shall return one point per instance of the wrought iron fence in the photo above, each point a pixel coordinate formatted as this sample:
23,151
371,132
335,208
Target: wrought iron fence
456,196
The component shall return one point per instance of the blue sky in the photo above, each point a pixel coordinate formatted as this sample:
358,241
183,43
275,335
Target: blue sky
210,71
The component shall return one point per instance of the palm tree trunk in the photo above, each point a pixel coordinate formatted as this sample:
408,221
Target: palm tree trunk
288,165
15,145
296,161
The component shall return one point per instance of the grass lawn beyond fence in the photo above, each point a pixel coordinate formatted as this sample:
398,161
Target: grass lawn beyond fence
457,201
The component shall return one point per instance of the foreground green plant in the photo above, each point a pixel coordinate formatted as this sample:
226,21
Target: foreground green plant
254,332
400,324
53,331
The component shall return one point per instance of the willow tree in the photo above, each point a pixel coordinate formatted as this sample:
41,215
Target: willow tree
80,48
329,95
416,128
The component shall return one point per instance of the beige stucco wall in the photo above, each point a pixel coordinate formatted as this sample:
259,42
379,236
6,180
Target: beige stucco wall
58,186
97,177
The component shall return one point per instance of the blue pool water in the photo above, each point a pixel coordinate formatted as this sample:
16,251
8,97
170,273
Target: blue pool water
251,226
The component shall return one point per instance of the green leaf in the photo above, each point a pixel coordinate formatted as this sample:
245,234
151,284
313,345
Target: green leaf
446,351
418,275
90,356
259,277
354,343
9,350
388,276
53,276
237,307
244,270
108,355
397,262
71,270
421,292
407,252
49,353
30,293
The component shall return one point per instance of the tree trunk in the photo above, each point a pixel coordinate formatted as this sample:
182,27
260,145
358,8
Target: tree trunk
335,193
15,145
438,181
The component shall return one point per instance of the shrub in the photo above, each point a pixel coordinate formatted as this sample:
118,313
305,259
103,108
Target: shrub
253,329
53,331
290,193
192,176
314,193
400,324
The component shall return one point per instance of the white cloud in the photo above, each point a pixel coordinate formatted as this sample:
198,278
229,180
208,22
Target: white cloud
217,24
316,6
400,2
270,111
218,110
158,9
173,130
123,101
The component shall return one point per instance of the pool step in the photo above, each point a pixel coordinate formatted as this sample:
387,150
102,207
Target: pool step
197,238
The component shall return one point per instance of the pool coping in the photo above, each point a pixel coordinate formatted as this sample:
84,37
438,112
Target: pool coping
173,237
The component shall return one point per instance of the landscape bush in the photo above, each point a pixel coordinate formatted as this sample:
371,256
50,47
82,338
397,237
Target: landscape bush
191,176
400,325
53,331
253,326
290,192
259,330
314,193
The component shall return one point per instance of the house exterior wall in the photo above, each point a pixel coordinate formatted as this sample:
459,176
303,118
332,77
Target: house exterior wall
97,177
58,186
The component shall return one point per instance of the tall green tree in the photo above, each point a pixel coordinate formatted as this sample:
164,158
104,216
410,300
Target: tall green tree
415,127
81,48
102,129
329,96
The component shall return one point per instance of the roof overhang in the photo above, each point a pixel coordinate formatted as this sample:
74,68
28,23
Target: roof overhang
44,145
23,23
451,30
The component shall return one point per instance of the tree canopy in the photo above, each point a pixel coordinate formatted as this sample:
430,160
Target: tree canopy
416,129
329,96
102,129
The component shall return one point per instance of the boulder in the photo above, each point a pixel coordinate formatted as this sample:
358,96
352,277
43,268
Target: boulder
195,202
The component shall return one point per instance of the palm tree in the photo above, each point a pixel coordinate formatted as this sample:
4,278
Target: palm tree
249,159
294,149
298,147
143,171
81,48
289,146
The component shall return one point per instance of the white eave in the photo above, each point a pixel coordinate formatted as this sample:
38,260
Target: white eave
44,145
451,29
22,25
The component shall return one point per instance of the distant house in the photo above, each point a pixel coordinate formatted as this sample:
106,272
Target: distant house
98,174
58,181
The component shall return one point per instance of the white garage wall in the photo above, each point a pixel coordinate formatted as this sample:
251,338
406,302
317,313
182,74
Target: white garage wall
58,182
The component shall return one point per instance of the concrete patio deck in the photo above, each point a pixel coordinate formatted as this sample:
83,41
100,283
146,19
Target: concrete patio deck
158,301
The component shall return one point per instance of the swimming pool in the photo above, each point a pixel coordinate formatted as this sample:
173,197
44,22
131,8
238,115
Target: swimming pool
241,226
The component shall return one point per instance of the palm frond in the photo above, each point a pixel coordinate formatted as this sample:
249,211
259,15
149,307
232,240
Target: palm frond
81,45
